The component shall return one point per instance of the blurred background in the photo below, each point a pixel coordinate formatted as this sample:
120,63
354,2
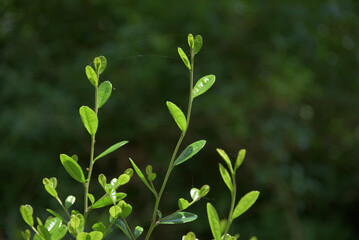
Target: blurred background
287,90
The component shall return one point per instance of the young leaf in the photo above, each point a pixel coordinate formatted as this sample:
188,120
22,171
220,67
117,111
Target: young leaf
245,203
91,197
138,231
91,75
70,200
96,235
142,177
89,119
111,149
115,211
103,64
26,234
189,236
99,227
97,63
240,159
213,220
73,168
26,213
126,209
122,179
204,190
226,177
73,225
198,42
225,157
55,227
49,186
190,40
182,204
43,232
106,200
177,115
184,58
104,92
179,218
195,194
150,175
203,85
190,151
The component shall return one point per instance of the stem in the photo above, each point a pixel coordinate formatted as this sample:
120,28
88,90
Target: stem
63,207
170,167
93,140
233,196
128,229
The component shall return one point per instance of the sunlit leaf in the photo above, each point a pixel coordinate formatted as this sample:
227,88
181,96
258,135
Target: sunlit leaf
104,92
126,209
198,42
102,180
190,39
213,220
203,85
73,168
184,58
195,194
189,236
49,186
204,190
138,231
26,234
106,200
179,218
43,232
91,197
245,203
26,213
103,64
115,211
55,214
55,227
122,180
225,157
182,204
177,115
91,75
99,227
142,177
240,158
70,200
226,177
111,149
89,119
190,151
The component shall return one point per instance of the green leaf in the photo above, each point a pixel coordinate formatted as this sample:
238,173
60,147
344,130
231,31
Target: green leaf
213,220
121,225
89,119
179,218
103,64
240,158
112,195
96,235
159,214
203,85
138,231
122,180
97,63
26,213
73,225
49,186
184,58
189,236
102,180
72,168
91,75
91,197
182,204
253,238
26,234
204,190
55,214
245,203
106,200
104,92
177,115
115,211
225,157
99,227
43,232
55,227
150,175
226,177
190,151
198,42
70,200
126,209
195,194
129,172
142,177
111,149
190,40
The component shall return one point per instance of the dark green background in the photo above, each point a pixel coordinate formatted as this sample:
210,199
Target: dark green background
287,90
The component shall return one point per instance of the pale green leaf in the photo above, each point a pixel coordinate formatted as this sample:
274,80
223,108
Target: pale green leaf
225,157
177,115
195,194
245,203
126,209
115,211
91,75
138,231
240,158
72,167
182,204
189,236
70,200
111,149
26,234
99,227
26,213
179,218
213,220
106,200
89,119
184,58
142,177
104,92
204,190
226,177
190,151
203,85
103,64
190,40
198,42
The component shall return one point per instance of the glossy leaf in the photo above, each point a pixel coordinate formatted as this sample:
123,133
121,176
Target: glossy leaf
195,194
240,158
70,200
55,227
112,195
142,177
115,211
122,180
99,227
104,92
226,177
184,58
189,236
245,203
138,231
177,115
106,200
49,186
55,214
204,190
126,209
190,151
203,85
72,168
43,232
179,218
26,213
226,159
190,40
111,149
213,220
89,119
198,42
102,180
182,204
91,75
26,234
103,64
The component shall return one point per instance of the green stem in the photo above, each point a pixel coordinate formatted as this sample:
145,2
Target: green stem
170,167
129,229
63,207
93,140
233,196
